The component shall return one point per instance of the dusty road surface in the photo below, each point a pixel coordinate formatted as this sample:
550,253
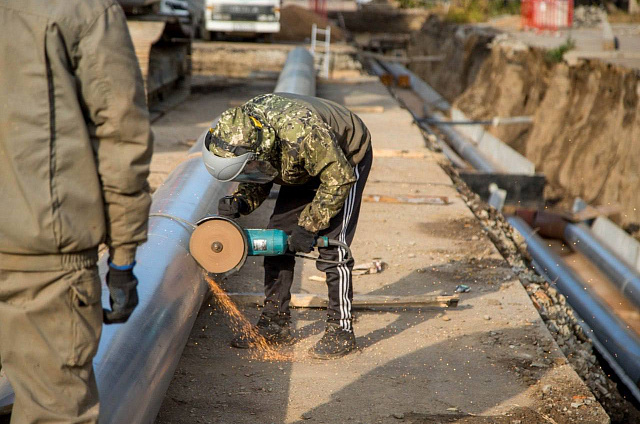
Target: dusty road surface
490,360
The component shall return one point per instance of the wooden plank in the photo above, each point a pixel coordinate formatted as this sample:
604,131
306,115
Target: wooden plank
407,199
304,300
366,109
394,153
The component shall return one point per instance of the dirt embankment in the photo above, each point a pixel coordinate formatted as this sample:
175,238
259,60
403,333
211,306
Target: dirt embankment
586,132
296,23
464,50
377,18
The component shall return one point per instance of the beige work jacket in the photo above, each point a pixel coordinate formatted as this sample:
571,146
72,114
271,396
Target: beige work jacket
75,142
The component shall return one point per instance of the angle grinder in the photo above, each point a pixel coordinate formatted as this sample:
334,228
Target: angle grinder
221,246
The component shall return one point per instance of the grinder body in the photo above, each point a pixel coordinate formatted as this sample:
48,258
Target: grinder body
221,246
272,242
266,242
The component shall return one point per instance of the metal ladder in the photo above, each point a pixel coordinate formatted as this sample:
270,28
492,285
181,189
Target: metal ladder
326,49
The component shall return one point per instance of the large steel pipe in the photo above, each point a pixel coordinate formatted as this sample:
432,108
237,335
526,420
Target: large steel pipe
377,69
607,329
298,75
136,360
625,278
463,147
430,96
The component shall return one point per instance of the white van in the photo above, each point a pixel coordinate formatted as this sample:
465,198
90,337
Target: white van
242,16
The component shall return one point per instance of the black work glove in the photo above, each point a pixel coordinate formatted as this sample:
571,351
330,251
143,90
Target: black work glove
123,296
301,240
232,206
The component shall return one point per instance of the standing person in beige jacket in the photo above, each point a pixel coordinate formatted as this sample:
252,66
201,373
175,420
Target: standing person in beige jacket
75,146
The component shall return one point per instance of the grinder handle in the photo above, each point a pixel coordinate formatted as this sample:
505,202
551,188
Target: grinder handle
324,241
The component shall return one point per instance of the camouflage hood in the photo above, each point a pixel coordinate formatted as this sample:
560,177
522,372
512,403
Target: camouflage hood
238,128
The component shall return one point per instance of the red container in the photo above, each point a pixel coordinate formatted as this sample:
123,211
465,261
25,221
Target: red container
546,14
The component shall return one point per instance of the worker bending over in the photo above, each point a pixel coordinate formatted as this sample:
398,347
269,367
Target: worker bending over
320,154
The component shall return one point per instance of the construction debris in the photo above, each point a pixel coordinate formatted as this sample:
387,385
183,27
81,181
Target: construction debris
373,267
462,288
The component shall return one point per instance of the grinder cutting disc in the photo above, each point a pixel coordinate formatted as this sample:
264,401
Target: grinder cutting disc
218,245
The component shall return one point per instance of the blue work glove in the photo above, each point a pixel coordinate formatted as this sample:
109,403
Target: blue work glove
232,206
301,240
123,295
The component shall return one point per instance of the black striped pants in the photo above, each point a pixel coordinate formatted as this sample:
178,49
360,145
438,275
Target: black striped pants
278,270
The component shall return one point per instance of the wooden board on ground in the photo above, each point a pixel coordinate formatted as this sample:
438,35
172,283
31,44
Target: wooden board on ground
299,300
406,154
366,109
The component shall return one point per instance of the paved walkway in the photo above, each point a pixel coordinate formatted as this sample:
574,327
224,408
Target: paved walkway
491,359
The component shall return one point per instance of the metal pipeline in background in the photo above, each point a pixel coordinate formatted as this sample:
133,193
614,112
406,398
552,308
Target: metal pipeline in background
466,149
624,277
463,147
136,360
496,121
606,328
579,237
298,75
381,73
430,96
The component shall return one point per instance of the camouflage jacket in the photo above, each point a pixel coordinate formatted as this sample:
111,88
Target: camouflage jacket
304,138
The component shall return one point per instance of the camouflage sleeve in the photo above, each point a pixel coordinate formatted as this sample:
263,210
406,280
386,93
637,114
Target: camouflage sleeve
254,194
323,157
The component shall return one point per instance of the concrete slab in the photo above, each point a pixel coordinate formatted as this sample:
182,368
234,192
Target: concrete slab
489,360
589,43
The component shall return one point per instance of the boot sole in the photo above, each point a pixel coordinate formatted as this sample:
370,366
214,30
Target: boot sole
326,356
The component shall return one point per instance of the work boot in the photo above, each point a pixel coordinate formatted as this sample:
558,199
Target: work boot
335,342
275,332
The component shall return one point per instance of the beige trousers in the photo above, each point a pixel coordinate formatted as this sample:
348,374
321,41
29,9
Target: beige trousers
50,326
